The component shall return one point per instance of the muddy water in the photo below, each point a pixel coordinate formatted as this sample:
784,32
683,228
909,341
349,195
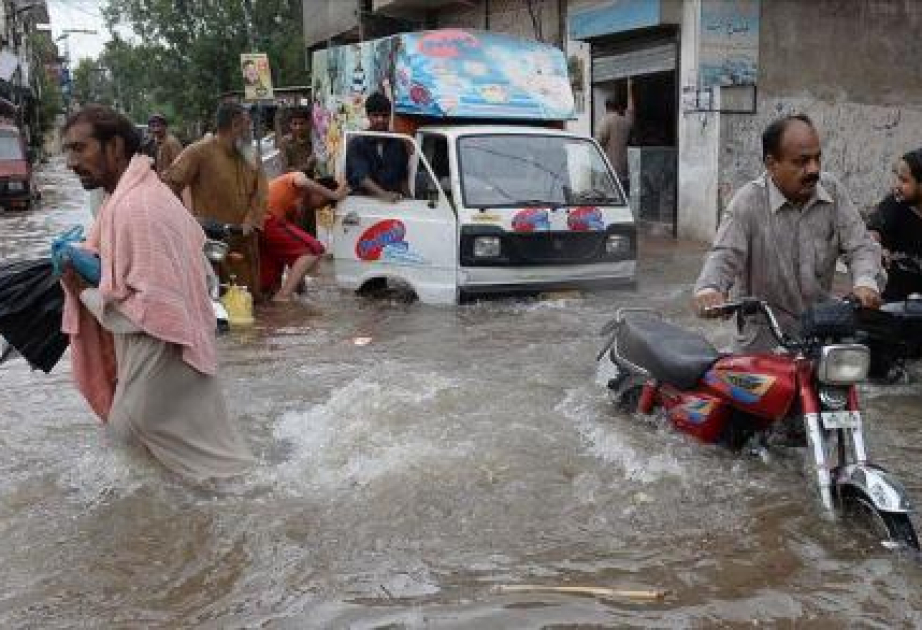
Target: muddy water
401,482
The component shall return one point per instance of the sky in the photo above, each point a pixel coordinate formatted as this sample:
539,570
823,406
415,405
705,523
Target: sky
78,14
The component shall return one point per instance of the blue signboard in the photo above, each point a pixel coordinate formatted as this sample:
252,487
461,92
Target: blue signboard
613,16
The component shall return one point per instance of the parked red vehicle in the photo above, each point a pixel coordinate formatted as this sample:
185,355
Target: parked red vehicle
807,390
16,187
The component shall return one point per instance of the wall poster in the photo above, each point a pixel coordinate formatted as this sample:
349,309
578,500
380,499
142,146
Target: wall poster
729,42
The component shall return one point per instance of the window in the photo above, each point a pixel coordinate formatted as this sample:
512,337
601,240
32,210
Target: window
10,147
514,170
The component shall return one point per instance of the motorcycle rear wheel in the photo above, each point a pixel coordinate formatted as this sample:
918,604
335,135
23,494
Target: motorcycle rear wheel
894,527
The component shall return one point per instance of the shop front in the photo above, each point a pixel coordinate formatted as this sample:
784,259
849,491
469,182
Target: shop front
633,50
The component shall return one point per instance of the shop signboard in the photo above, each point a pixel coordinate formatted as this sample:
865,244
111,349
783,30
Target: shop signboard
729,42
597,18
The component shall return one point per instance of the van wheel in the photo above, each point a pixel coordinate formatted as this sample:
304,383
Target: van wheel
388,289
373,288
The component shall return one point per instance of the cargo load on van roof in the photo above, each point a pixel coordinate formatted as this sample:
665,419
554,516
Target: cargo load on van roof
449,74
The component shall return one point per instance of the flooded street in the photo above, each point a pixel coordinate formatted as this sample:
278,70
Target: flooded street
401,482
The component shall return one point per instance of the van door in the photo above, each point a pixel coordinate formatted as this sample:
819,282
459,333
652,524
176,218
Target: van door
412,241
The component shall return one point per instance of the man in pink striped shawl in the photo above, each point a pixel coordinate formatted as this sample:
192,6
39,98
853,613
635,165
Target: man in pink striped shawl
142,344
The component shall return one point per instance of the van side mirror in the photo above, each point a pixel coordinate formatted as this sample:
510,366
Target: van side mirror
30,155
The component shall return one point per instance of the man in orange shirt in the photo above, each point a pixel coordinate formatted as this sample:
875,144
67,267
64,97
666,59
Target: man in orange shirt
282,243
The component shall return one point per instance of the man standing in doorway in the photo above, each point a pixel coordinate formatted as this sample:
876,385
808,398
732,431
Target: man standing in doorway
228,186
615,131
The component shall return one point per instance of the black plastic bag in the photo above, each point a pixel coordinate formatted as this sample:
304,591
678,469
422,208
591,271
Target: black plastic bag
31,306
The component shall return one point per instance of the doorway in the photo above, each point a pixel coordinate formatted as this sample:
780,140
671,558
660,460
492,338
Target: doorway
651,64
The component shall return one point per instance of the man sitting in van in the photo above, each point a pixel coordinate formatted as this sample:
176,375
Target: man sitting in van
378,166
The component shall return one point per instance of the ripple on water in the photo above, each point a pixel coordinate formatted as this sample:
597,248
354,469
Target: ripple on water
372,426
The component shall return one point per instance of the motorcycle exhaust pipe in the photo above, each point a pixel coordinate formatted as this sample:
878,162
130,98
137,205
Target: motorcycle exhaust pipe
647,397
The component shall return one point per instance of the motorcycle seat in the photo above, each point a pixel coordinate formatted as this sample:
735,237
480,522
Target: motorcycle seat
670,354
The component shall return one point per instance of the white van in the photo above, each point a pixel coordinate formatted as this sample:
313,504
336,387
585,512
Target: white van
493,209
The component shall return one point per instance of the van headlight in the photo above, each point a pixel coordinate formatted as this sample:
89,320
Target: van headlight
15,186
486,247
617,245
843,364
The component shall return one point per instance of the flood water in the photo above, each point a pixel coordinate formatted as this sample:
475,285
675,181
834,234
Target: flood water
404,482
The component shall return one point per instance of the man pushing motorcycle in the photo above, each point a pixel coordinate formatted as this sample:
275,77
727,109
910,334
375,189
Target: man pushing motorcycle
782,234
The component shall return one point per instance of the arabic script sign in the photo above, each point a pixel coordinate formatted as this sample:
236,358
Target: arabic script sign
729,43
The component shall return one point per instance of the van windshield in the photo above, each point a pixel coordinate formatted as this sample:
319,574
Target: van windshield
10,149
533,170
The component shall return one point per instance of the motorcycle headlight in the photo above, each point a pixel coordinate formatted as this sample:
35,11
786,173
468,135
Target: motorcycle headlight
843,364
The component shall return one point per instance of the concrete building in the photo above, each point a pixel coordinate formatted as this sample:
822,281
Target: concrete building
708,76
716,72
19,67
346,21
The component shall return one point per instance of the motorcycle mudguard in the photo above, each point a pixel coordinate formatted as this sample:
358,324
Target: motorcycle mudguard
880,487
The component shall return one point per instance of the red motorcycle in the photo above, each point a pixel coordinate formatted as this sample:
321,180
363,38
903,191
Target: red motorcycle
807,392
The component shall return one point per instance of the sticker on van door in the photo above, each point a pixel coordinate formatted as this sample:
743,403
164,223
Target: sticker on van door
401,254
585,219
377,237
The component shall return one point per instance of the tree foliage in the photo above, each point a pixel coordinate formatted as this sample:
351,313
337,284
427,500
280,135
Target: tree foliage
51,101
187,52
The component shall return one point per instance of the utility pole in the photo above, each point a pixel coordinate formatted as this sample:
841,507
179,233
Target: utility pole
251,43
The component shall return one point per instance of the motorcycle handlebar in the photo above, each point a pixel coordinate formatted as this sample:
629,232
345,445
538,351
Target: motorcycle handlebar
746,307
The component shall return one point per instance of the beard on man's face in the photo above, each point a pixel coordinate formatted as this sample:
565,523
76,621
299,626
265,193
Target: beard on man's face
88,180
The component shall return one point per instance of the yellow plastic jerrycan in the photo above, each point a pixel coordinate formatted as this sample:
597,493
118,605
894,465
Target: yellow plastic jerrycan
239,304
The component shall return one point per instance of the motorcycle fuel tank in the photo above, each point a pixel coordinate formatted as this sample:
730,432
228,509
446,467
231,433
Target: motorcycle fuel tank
763,385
